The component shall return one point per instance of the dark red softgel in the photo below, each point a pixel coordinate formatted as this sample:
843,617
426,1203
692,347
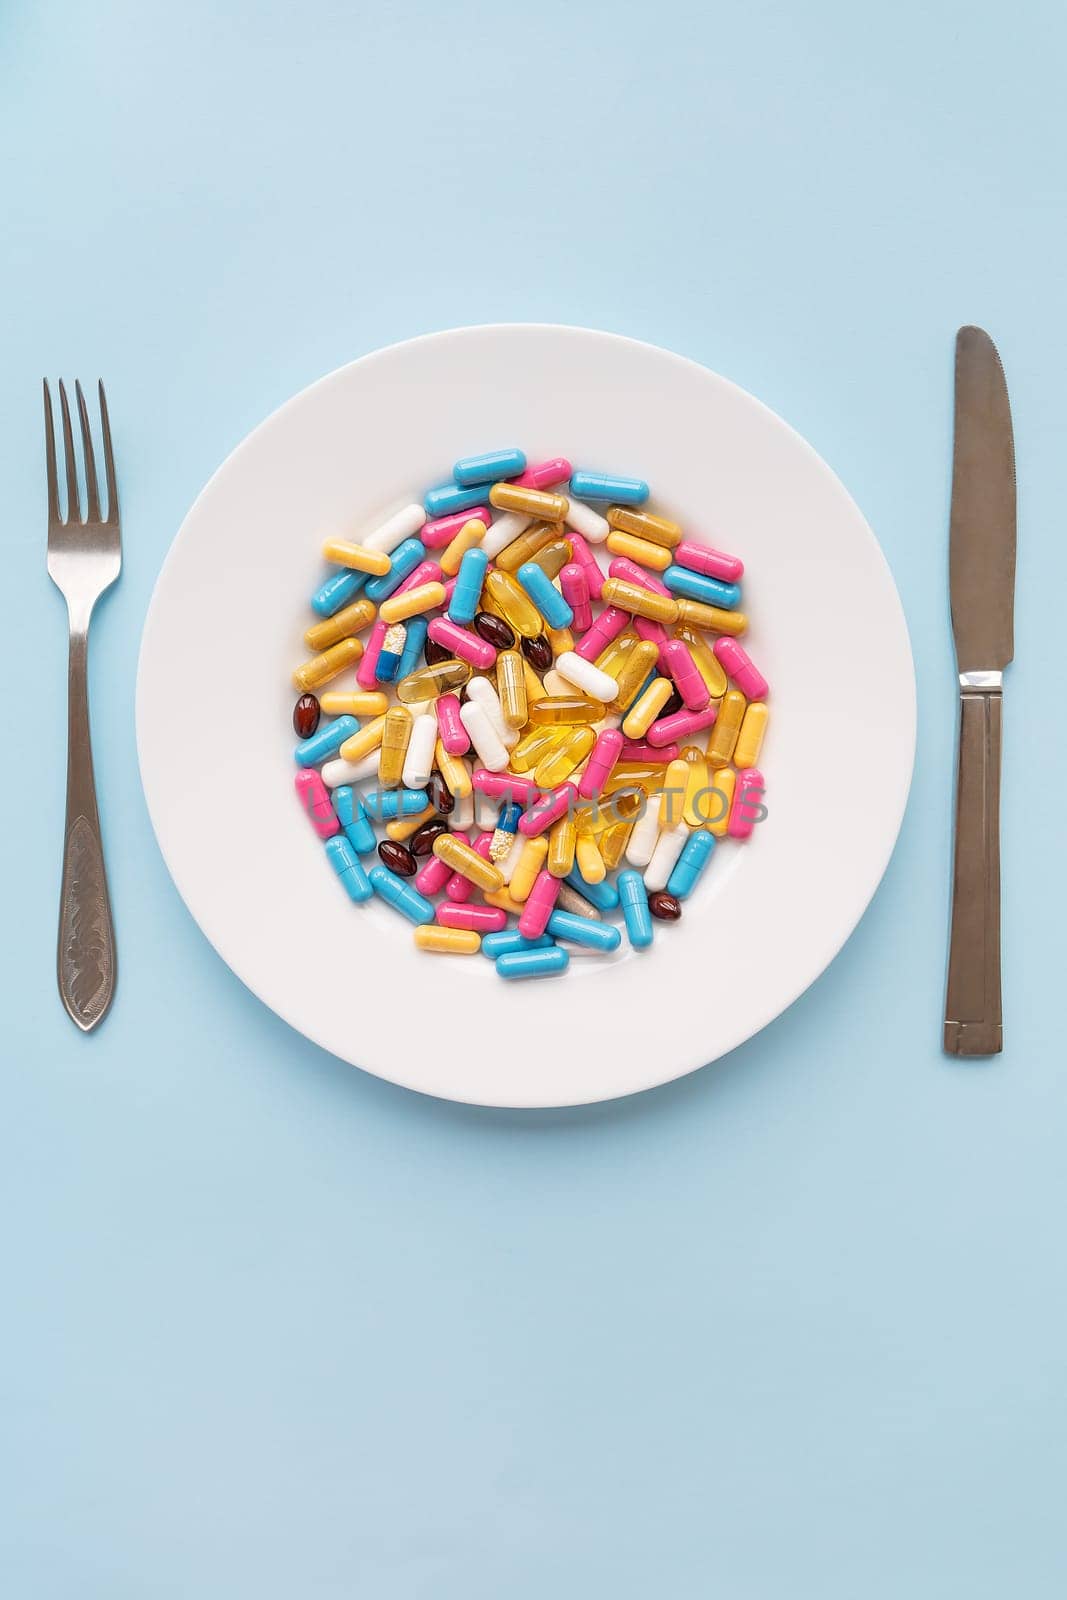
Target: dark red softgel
306,714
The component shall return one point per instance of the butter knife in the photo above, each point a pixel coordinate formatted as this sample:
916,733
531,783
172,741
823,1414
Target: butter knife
982,588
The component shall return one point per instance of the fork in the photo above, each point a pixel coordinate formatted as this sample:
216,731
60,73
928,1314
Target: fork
84,559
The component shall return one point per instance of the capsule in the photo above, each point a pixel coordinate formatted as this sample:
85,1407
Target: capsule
502,944
712,563
529,502
561,640
465,645
349,868
559,763
315,800
586,521
352,817
338,591
646,708
697,615
554,710
455,772
488,468
527,545
330,664
357,556
634,673
574,586
561,842
412,602
448,941
613,842
401,895
588,859
707,663
439,532
406,826
569,899
511,687
469,537
638,601
693,861
627,571
545,596
696,785
633,898
360,704
602,896
396,732
444,678
540,817
503,902
544,474
453,734
601,936
367,671
342,625
672,797
336,774
325,742
552,557
467,592
539,905
605,754
535,744
739,666
680,725
605,486
746,804
643,525
530,863
484,919
418,760
723,735
694,586
405,558
389,535
449,497
607,627
509,599
462,858
394,644
503,531
386,804
669,846
505,786
306,714
643,551
644,835
593,681
750,739
720,801
533,963
676,658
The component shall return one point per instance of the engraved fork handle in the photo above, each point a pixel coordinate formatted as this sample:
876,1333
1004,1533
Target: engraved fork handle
86,952
973,1025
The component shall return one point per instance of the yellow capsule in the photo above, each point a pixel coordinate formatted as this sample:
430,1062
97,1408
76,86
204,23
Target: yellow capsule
536,744
364,703
646,708
623,805
639,602
560,639
698,615
568,708
707,662
364,742
633,672
511,687
750,739
530,862
444,677
560,763
627,774
535,689
645,526
562,838
356,556
643,551
613,842
530,502
504,902
463,858
396,735
510,601
413,602
590,861
330,664
402,828
717,805
352,619
725,728
454,771
693,806
471,533
614,654
672,800
553,557
448,941
526,546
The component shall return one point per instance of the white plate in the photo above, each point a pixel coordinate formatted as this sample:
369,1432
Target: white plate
827,628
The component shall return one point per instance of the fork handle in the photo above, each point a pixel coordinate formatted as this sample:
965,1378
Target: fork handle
86,952
973,1019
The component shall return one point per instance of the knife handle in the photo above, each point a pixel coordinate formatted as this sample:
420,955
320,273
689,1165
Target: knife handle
973,1017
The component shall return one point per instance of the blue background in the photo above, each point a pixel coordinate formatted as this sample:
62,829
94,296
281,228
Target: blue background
793,1327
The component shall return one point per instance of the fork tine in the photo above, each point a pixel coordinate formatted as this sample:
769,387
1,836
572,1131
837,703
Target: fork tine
109,460
74,508
92,497
50,456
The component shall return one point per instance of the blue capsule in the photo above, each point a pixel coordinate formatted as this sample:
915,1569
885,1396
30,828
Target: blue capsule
337,591
509,940
508,821
691,863
582,930
348,867
695,586
602,486
404,559
413,646
603,895
402,896
326,741
545,596
385,804
352,815
468,590
452,497
634,900
532,963
489,468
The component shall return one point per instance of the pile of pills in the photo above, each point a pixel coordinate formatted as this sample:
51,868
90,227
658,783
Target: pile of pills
549,748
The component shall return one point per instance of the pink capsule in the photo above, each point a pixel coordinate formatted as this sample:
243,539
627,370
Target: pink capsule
315,799
504,784
671,730
575,589
432,875
607,627
737,664
425,572
543,474
588,562
654,632
677,658
462,643
367,671
712,563
556,804
641,750
448,585
483,919
539,906
454,735
602,759
440,531
620,567
747,803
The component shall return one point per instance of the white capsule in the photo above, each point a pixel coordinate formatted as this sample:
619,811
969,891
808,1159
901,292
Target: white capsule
402,525
418,763
483,736
481,690
335,773
587,676
554,685
511,860
504,531
462,817
644,835
589,523
486,811
669,846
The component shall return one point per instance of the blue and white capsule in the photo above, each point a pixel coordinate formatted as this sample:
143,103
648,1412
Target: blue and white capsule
467,593
695,586
691,863
402,896
352,815
633,898
605,486
545,596
490,468
404,559
325,741
389,656
348,867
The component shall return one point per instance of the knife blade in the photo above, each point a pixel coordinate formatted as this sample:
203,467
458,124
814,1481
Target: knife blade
982,538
